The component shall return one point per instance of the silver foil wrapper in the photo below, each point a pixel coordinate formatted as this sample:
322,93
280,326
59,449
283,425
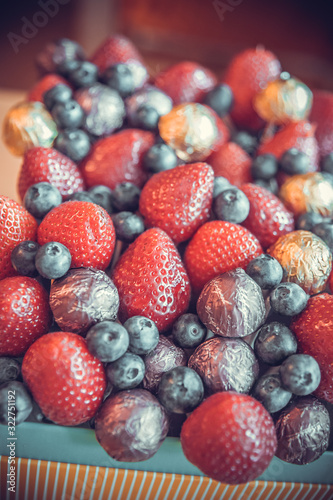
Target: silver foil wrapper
82,298
151,96
131,425
225,365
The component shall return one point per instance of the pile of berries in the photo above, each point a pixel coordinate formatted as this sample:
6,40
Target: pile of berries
170,267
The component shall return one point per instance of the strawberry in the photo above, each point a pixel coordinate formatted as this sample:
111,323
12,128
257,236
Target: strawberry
186,81
218,247
118,158
268,218
151,280
43,85
248,73
314,333
25,314
322,117
66,381
16,225
84,228
230,437
178,200
223,134
49,165
232,162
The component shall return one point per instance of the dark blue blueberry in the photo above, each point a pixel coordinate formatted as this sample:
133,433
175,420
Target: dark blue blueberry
15,403
325,231
126,197
9,369
108,341
265,270
295,162
232,205
220,99
327,163
55,95
41,198
246,141
271,185
220,184
308,220
269,391
53,260
73,143
58,54
84,74
274,343
145,117
300,374
160,157
264,167
102,196
128,226
66,67
126,372
23,258
143,335
68,115
119,77
180,390
288,299
80,196
188,331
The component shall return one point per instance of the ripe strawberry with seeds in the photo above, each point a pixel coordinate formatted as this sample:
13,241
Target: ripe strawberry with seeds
85,228
16,225
322,117
151,280
232,162
46,83
178,200
65,379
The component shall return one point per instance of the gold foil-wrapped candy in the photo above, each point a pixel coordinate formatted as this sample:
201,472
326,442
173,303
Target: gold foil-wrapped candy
283,100
312,192
26,125
305,259
191,130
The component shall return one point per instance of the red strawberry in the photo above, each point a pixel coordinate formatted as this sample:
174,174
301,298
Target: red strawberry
66,381
322,116
43,85
299,135
16,225
230,437
25,314
84,228
178,200
218,247
268,218
151,280
248,73
232,162
186,81
118,158
313,328
49,165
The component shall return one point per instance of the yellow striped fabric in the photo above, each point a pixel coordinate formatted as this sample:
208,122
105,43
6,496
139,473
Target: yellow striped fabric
42,480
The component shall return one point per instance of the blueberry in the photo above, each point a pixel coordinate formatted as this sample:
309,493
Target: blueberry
23,258
145,117
308,220
119,77
327,163
269,391
107,340
57,54
264,167
40,198
126,197
53,260
180,390
266,271
126,372
271,185
288,299
188,331
83,75
274,343
300,374
220,99
14,398
220,184
80,196
160,157
128,226
232,205
325,231
295,162
246,141
143,334
68,115
9,369
73,143
102,196
60,93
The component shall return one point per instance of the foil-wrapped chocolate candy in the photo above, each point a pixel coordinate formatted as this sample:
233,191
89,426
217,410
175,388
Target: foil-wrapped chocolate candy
131,425
305,260
225,364
82,298
26,125
191,130
232,304
303,430
147,96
